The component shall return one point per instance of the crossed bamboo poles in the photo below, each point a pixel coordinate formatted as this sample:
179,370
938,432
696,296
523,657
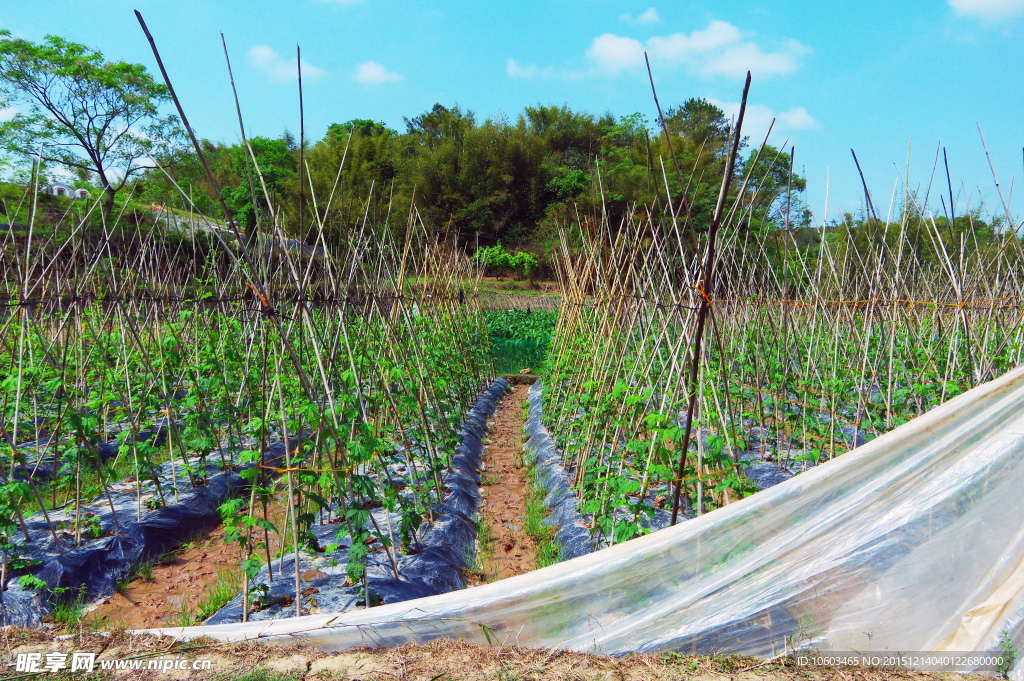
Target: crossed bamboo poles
814,344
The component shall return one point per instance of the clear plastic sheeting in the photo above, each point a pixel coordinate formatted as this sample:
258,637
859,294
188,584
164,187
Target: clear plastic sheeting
914,541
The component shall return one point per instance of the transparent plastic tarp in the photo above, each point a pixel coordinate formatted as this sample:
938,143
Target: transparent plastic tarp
912,542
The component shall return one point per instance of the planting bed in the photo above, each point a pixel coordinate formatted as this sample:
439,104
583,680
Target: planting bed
573,530
108,553
179,588
668,394
148,397
434,564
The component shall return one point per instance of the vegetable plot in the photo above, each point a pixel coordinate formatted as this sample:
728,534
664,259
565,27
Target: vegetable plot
520,338
135,374
809,351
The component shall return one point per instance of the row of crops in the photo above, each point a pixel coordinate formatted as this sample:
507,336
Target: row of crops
520,339
808,350
143,367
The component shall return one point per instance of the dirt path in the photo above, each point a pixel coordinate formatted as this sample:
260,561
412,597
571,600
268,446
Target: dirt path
504,547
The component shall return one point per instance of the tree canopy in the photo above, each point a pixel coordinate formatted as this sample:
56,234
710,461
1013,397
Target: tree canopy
498,179
83,112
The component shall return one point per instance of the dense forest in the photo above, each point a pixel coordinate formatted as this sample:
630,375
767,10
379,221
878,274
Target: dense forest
496,180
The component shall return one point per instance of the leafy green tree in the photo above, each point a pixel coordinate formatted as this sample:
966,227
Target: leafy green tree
277,166
772,186
441,124
361,126
701,123
573,136
83,112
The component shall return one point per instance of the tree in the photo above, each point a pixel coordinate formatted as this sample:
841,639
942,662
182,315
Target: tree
441,123
86,113
773,187
702,123
277,166
360,126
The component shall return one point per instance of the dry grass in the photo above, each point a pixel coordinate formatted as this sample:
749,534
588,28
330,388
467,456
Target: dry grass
438,660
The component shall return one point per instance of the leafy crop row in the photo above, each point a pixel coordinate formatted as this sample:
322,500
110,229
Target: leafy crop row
331,381
808,352
533,325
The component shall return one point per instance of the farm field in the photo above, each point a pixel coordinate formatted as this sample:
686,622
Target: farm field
138,393
151,403
307,393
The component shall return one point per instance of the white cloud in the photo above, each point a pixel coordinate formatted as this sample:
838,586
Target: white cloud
718,50
679,47
736,60
758,117
650,16
514,70
278,69
797,118
8,113
613,54
373,73
988,9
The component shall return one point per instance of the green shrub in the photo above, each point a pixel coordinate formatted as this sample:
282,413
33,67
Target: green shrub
496,260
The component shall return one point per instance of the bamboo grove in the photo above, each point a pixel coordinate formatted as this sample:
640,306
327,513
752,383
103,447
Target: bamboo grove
362,358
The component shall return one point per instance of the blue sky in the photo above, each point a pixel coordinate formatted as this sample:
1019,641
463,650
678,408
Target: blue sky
867,75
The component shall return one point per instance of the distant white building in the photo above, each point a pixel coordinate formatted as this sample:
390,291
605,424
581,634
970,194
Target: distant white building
58,189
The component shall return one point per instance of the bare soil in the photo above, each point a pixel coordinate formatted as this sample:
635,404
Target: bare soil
439,660
182,578
504,548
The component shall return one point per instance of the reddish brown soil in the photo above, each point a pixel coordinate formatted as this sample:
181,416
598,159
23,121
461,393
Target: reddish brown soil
187,572
509,550
186,576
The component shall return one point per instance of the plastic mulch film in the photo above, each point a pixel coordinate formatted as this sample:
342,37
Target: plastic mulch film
912,542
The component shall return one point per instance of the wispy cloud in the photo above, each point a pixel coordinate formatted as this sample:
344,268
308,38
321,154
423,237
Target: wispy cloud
8,113
614,54
372,73
988,9
721,49
281,70
515,70
648,17
797,118
758,117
